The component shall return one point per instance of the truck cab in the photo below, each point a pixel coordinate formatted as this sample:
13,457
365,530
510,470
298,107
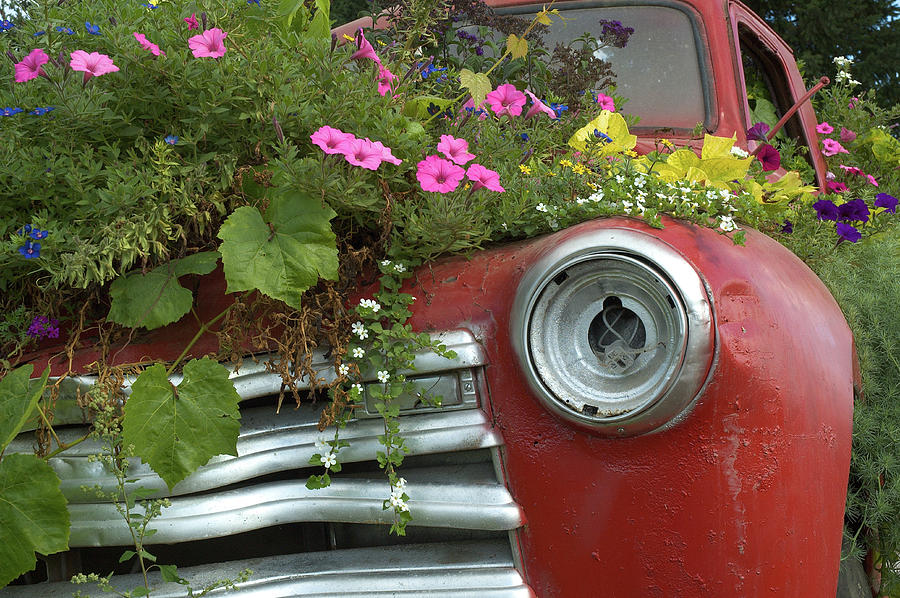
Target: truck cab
630,411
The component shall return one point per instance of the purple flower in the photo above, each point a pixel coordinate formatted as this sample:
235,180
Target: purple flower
825,210
888,202
758,132
854,210
787,227
848,233
30,250
769,157
43,327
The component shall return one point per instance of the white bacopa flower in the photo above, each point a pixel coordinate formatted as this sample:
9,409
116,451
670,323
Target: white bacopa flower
554,223
398,503
359,329
738,152
383,376
842,61
385,263
639,183
597,197
620,179
370,303
398,267
540,207
343,369
358,352
328,460
581,200
401,484
357,387
627,205
726,223
321,445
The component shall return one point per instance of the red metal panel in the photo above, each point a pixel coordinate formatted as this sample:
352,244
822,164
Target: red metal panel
744,497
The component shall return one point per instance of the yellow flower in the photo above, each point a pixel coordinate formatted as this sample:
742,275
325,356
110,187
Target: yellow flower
524,169
348,38
579,169
565,163
667,143
551,173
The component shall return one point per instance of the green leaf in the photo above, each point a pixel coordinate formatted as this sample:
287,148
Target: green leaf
170,573
284,253
175,431
18,397
127,556
33,514
516,46
320,26
155,299
476,84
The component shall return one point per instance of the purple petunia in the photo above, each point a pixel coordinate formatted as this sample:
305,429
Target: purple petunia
854,210
758,132
888,202
825,210
848,233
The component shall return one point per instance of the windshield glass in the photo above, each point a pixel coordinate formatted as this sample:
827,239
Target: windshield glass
658,70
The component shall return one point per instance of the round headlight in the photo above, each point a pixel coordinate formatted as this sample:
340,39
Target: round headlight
614,331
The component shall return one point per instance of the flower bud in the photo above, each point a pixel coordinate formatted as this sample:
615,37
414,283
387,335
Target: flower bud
112,21
203,19
279,134
11,56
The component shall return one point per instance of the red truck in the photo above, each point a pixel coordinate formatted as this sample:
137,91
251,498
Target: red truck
630,412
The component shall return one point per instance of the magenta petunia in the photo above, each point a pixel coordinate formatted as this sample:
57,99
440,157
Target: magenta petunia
455,150
386,154
385,79
148,45
331,140
506,99
364,153
832,148
824,128
538,106
606,102
93,64
484,177
835,186
30,66
209,44
436,174
853,170
769,157
364,48
847,135
192,22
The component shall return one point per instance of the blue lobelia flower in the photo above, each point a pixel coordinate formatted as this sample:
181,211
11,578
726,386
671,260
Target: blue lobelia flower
38,234
171,139
256,2
30,250
6,25
41,111
8,111
92,29
39,33
65,30
602,136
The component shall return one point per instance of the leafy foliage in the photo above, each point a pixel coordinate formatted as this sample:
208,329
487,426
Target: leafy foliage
19,396
156,298
33,515
177,429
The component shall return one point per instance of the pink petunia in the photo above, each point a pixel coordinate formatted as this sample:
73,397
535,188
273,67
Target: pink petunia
386,154
331,140
853,170
148,45
506,99
606,102
847,136
871,180
824,128
484,177
363,152
436,174
30,67
209,44
93,64
469,106
832,148
538,106
769,157
385,79
192,22
854,101
364,48
456,150
835,186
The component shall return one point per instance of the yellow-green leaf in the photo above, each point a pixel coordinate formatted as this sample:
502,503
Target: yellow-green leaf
609,123
516,46
717,147
477,84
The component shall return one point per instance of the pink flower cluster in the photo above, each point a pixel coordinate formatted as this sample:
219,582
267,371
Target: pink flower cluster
443,175
832,147
359,152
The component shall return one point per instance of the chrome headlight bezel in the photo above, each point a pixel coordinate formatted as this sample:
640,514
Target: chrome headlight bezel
614,388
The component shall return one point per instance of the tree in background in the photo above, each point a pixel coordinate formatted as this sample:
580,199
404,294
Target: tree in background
819,30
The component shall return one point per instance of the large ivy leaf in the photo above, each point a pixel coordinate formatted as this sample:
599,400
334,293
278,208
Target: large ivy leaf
176,430
284,253
155,299
33,514
18,397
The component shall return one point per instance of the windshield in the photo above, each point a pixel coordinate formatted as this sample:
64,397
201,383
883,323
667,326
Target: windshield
658,70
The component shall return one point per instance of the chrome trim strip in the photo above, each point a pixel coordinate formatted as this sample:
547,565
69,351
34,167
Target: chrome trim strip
481,569
269,443
472,500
